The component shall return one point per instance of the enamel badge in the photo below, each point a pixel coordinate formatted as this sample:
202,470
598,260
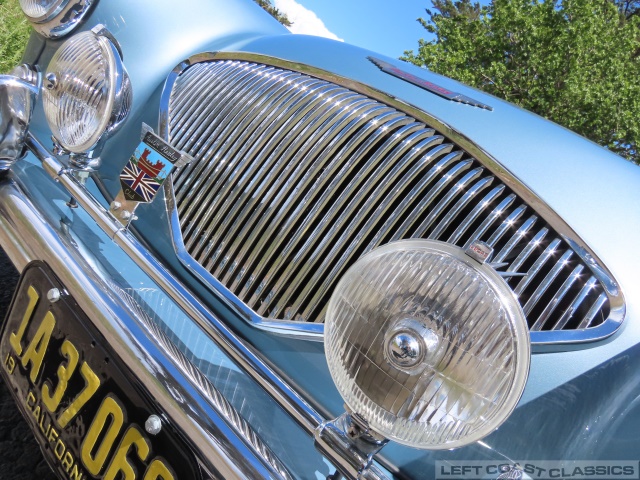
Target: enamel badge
146,171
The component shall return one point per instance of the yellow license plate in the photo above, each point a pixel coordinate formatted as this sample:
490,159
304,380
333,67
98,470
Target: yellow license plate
87,414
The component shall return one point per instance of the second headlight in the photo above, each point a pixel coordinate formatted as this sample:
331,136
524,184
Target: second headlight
87,92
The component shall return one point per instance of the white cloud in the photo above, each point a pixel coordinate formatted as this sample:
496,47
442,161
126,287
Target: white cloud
304,20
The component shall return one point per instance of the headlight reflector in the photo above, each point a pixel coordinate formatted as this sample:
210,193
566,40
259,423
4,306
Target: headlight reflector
87,92
430,347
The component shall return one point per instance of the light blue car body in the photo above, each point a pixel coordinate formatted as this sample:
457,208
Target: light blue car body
581,402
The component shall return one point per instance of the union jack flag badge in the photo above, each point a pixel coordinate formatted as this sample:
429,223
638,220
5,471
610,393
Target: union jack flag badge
149,166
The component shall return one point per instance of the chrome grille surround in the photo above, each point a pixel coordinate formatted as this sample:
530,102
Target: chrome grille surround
336,168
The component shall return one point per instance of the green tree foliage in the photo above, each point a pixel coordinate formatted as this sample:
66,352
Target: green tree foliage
275,13
576,62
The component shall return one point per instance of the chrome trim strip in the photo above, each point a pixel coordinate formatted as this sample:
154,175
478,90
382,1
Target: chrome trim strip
209,435
244,355
309,330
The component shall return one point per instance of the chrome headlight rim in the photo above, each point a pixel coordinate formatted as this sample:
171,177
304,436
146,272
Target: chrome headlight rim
118,96
520,338
61,18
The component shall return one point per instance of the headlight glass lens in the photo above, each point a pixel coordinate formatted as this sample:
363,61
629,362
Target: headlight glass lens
80,91
430,347
39,9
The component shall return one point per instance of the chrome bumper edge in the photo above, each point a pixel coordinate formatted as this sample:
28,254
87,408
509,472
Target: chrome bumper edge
216,444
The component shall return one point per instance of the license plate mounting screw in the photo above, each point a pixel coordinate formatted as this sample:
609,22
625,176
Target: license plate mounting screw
53,295
153,425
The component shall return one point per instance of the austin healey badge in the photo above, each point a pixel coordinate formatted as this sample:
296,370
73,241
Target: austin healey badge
427,85
145,172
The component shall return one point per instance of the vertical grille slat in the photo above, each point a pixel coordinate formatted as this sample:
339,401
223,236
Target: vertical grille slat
184,112
299,241
207,119
453,213
210,136
419,190
557,298
246,91
254,155
237,164
491,218
406,229
387,191
296,177
339,165
323,160
338,222
475,213
349,224
534,243
181,114
506,225
517,237
291,184
546,282
279,162
595,310
537,266
578,302
423,229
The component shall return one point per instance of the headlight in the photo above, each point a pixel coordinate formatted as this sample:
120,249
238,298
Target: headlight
55,18
427,345
39,10
87,91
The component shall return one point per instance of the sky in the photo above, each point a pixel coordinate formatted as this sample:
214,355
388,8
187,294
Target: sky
385,26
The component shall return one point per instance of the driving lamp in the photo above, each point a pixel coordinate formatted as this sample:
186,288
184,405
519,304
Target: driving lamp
87,92
427,344
55,18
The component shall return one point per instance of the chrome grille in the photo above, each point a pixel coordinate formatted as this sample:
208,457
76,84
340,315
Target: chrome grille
296,177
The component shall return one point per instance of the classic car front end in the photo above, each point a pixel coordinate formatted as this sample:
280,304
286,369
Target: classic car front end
252,254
